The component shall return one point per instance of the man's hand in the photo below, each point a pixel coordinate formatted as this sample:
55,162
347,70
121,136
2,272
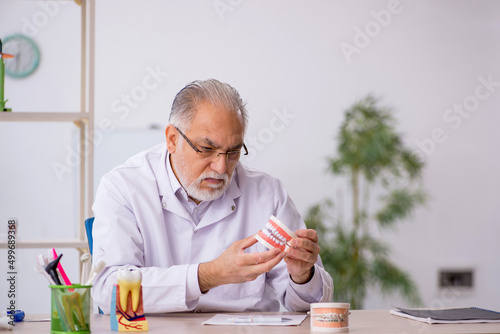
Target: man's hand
236,266
302,255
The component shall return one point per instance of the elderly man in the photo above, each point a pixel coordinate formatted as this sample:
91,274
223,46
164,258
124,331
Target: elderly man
185,213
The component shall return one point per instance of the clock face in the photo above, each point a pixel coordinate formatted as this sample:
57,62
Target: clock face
26,56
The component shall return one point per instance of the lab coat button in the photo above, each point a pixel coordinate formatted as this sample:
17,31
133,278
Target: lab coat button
164,204
195,231
233,208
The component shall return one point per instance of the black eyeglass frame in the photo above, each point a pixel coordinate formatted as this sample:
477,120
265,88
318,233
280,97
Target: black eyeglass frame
197,150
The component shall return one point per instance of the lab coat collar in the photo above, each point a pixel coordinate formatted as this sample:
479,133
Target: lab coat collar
175,185
168,185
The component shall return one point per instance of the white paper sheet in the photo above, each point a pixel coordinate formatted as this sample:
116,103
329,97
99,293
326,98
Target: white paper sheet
225,320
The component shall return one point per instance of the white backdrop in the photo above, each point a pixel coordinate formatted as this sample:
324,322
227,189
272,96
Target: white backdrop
299,65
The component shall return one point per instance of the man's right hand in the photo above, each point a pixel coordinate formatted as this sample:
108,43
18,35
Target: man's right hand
236,266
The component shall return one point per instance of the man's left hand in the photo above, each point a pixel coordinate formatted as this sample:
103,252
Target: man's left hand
302,255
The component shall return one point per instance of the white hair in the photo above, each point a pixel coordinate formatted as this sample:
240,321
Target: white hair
217,93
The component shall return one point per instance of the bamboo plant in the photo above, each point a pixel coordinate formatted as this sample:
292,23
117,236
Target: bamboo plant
383,176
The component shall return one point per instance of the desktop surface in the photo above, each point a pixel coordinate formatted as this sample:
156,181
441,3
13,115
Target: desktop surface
360,321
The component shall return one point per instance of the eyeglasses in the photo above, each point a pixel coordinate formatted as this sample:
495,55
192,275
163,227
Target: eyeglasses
208,152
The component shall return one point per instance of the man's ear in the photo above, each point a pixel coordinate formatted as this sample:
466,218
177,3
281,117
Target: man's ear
172,135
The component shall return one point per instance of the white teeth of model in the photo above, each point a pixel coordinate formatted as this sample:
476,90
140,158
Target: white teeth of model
280,238
129,280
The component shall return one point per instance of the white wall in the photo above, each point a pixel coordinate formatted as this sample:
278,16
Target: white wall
285,58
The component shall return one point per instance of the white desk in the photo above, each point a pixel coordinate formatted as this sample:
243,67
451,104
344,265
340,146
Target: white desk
361,321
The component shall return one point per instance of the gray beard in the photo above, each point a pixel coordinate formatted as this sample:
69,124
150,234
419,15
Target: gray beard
193,190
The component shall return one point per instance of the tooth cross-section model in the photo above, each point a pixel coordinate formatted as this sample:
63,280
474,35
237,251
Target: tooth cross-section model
130,283
127,302
275,235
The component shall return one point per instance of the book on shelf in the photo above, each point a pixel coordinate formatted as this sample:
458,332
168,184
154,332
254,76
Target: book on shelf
448,315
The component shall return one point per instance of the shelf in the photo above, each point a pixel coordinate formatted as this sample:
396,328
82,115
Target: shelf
83,118
16,116
67,243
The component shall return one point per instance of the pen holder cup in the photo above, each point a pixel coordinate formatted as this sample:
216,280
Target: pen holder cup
70,308
330,317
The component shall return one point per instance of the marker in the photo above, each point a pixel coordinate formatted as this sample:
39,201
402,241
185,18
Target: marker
247,320
18,315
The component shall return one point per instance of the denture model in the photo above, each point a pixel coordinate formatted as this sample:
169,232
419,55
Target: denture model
275,235
127,302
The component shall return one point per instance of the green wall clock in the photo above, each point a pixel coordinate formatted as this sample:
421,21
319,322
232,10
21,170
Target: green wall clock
26,55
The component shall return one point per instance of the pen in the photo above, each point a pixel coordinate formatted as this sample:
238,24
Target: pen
257,319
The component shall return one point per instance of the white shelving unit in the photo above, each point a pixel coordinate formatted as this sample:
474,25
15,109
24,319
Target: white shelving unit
84,120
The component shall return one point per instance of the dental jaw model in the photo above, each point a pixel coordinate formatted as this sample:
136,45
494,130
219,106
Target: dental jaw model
275,235
127,303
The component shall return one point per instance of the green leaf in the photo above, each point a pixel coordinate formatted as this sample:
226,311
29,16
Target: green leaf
398,205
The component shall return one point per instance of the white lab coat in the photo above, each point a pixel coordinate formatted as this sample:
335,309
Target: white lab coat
140,223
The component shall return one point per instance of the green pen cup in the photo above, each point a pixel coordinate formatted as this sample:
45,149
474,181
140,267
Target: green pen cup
70,308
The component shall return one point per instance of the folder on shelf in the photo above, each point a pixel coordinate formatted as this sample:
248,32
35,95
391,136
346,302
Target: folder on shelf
448,315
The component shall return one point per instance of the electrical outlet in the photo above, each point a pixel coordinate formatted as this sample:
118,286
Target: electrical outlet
456,278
